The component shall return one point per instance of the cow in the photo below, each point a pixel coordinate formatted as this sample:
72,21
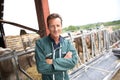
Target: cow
8,69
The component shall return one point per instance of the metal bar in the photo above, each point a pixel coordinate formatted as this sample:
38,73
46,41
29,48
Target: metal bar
85,50
14,62
9,55
93,44
24,72
99,36
19,25
16,65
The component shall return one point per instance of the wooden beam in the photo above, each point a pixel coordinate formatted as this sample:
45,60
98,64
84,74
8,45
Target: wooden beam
2,34
18,25
42,10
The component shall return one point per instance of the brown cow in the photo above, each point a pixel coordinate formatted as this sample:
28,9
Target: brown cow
18,43
8,71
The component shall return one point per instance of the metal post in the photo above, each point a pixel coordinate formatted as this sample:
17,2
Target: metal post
72,39
93,44
17,66
99,41
85,51
14,62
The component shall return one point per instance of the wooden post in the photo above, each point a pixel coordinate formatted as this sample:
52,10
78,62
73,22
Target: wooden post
42,10
2,34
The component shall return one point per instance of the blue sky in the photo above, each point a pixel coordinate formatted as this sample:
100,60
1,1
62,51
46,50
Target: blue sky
73,12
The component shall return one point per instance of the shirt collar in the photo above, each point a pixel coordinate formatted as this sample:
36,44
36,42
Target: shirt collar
60,39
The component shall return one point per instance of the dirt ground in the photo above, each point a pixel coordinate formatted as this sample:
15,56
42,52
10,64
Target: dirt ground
117,76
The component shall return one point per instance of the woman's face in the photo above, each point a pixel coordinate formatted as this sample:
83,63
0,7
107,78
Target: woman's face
55,27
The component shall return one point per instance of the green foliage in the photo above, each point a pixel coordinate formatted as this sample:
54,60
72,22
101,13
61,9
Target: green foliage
115,24
116,27
71,28
112,23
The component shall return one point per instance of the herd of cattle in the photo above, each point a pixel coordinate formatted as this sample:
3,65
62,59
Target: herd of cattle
88,44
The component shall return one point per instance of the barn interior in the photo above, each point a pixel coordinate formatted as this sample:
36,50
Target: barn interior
98,50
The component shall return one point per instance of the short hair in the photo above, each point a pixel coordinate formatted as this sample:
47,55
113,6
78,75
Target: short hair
53,16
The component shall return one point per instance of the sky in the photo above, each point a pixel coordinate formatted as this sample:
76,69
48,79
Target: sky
19,11
73,12
79,12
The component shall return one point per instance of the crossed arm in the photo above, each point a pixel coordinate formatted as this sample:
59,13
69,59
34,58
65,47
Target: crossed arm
68,55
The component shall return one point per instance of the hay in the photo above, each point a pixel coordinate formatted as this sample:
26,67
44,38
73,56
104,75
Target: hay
32,71
20,43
